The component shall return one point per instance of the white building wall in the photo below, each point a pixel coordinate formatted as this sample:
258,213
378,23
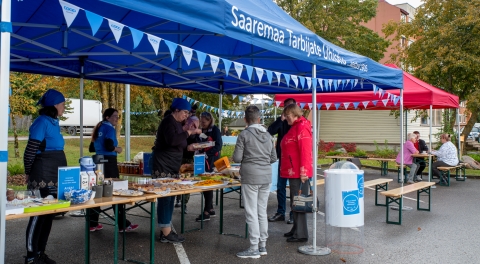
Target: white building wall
365,127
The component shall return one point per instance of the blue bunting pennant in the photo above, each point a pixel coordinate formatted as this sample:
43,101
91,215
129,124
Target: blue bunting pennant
287,79
172,47
302,105
337,105
249,71
355,104
95,21
227,64
375,102
302,81
201,58
137,36
319,106
269,76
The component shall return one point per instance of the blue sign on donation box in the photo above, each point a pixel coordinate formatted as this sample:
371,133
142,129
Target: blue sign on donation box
350,202
68,179
360,185
199,164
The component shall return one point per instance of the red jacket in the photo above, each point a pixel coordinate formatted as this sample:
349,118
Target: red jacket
297,150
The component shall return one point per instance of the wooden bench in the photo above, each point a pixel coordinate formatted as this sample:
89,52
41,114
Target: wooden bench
383,165
380,184
396,196
445,171
337,158
399,180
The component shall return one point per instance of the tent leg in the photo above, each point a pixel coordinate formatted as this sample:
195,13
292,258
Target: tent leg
4,97
401,131
430,145
313,249
127,122
220,103
81,105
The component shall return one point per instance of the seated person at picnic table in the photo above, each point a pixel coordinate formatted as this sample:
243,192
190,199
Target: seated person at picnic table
422,147
408,150
446,157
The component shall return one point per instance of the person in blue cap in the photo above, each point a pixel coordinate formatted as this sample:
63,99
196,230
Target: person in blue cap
104,142
170,142
43,155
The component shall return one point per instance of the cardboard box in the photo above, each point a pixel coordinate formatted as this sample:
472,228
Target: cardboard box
222,164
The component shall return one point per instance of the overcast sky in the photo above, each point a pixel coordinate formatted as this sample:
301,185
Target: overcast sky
414,3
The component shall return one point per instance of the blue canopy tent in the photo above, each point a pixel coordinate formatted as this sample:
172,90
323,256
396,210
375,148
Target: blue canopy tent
77,39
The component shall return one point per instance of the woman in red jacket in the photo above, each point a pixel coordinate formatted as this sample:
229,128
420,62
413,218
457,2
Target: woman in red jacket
296,165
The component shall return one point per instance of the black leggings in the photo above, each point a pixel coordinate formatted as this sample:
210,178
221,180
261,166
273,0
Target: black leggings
208,195
436,171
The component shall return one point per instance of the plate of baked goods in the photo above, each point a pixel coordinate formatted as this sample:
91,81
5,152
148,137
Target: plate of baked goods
207,184
127,193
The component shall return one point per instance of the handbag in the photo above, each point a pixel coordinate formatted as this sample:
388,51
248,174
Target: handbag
303,203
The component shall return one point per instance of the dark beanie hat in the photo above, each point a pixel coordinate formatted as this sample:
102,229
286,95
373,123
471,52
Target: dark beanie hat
181,104
51,98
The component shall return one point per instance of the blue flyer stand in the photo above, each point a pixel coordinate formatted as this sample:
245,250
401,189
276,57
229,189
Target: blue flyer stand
198,164
68,179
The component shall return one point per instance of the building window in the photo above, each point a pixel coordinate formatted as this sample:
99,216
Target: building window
437,118
403,41
403,18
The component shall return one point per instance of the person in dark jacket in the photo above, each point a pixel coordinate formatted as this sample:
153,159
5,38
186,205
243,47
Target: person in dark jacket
104,142
170,143
422,147
280,127
207,122
43,155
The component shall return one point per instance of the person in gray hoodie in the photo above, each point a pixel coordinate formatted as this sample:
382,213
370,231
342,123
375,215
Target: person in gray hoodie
255,151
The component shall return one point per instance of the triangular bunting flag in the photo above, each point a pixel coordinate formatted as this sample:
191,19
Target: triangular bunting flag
346,105
214,60
343,84
184,96
278,77
269,76
327,105
155,42
201,58
385,102
70,12
337,105
204,106
348,81
116,28
320,81
137,36
238,68
309,82
287,79
375,102
172,47
227,64
355,83
382,92
187,54
295,80
259,72
397,98
201,104
365,103
355,104
310,105
270,102
335,84
94,20
330,84
233,96
277,103
302,81
319,106
325,83
302,105
338,83
240,98
249,72
374,89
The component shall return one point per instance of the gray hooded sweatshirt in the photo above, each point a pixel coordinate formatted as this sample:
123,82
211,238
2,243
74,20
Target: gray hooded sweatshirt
255,151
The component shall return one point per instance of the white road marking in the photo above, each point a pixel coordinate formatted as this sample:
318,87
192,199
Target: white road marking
182,255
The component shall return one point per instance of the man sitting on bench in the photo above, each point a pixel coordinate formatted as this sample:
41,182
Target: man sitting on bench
446,157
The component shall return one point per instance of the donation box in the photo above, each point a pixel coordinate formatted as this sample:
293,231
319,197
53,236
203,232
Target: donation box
198,164
344,196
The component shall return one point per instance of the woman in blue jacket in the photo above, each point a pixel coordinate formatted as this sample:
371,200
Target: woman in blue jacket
43,155
104,139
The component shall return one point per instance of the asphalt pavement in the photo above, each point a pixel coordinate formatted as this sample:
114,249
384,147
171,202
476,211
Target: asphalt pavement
446,234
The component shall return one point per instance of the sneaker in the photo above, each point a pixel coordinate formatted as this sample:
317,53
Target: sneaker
206,217
249,253
410,182
44,257
34,260
93,229
130,228
100,227
418,178
185,211
177,204
211,213
171,238
263,251
277,217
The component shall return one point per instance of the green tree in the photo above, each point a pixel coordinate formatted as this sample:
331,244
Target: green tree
445,52
340,22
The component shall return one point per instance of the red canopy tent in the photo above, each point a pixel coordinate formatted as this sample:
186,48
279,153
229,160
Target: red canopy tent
417,94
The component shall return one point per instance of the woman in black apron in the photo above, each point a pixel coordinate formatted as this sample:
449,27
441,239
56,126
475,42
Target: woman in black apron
43,155
170,143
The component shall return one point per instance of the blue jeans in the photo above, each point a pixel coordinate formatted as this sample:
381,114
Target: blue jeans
165,211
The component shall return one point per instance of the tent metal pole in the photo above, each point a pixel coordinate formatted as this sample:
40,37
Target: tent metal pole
401,138
81,107
313,249
4,97
127,122
430,144
220,111
458,132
